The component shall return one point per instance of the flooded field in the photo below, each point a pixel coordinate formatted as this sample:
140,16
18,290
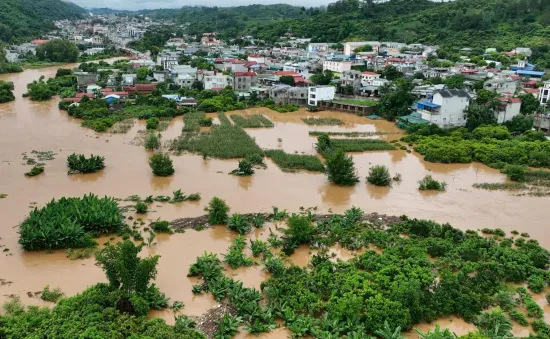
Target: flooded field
27,126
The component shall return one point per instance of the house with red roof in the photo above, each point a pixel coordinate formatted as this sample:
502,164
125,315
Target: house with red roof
297,77
142,89
38,42
534,91
242,81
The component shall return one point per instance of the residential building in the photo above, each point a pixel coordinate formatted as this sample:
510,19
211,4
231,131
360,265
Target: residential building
318,47
243,80
349,47
368,78
185,80
447,108
297,77
258,58
337,66
176,70
296,68
284,94
501,85
217,81
544,94
316,94
129,79
83,79
168,59
508,108
351,78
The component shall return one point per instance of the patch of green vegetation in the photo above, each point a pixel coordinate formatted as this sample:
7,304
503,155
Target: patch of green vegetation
251,121
379,175
80,164
161,164
498,186
286,108
80,253
244,169
348,134
223,141
36,170
428,183
491,145
3,195
70,223
315,121
293,162
235,257
51,295
161,226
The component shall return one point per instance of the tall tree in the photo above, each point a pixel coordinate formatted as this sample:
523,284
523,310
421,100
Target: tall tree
341,169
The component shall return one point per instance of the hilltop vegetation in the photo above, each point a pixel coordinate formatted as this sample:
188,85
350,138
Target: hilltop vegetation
23,19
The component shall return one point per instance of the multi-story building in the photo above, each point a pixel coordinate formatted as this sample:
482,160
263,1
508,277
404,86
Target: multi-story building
243,80
217,81
316,94
447,108
337,66
544,94
501,85
508,108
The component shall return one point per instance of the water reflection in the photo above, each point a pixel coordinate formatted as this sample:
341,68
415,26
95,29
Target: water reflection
334,195
378,192
245,182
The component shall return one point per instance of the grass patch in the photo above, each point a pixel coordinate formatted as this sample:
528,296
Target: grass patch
497,186
361,145
52,295
362,102
252,121
122,126
292,162
3,195
348,134
36,170
224,141
323,121
80,253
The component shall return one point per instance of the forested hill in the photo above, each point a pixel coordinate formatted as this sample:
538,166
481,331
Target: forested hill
473,23
24,19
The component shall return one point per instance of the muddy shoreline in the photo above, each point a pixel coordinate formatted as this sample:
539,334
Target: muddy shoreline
202,222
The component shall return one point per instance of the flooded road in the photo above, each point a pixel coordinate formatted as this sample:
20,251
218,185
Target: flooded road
27,125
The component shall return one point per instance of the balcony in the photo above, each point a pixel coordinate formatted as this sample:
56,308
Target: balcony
427,107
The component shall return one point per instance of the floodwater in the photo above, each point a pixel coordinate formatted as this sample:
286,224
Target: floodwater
27,125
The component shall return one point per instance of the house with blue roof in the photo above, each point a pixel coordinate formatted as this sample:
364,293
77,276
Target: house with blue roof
446,108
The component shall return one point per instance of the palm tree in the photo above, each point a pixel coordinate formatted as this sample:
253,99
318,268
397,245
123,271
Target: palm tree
388,333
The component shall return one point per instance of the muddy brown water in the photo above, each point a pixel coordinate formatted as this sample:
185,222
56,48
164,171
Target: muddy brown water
26,125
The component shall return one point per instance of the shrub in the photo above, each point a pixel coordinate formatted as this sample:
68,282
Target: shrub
341,169
245,169
152,141
239,223
141,208
379,175
206,122
36,170
515,172
536,283
161,226
140,305
235,257
161,164
70,223
217,211
152,123
51,295
429,183
79,163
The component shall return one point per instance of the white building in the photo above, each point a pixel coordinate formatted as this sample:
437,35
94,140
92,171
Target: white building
508,108
185,80
368,78
337,66
318,47
447,108
316,94
258,58
544,95
217,81
349,47
296,68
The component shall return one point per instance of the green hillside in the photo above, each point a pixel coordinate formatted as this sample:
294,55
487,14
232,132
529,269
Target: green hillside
24,19
503,24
